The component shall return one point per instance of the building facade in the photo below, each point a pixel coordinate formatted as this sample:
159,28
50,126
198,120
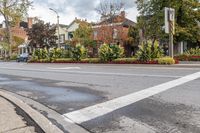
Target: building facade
112,30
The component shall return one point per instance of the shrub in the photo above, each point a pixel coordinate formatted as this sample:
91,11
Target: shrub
79,52
43,53
66,53
193,52
55,53
190,55
148,51
117,51
91,60
44,61
110,52
182,57
63,60
125,60
40,54
13,57
32,60
166,60
105,52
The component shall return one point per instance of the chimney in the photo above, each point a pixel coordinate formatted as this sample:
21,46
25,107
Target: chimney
30,22
123,14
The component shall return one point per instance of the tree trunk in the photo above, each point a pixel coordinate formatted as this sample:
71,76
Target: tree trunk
9,35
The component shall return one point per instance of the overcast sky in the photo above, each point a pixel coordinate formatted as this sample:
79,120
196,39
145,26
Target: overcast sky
69,9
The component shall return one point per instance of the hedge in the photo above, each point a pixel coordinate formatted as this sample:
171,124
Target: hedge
187,58
164,60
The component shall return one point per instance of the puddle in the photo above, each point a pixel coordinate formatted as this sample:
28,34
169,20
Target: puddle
52,94
73,96
3,79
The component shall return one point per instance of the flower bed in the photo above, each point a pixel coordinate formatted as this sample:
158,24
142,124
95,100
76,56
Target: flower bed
164,60
192,54
187,58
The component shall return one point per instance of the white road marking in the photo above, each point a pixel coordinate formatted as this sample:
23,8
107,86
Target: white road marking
92,73
101,109
155,67
63,68
116,66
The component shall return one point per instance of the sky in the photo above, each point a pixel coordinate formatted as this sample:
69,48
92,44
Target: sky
69,9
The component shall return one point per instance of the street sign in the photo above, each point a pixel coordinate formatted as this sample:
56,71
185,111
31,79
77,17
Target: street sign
169,20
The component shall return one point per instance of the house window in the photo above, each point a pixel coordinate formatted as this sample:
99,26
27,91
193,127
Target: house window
62,38
95,34
115,34
70,35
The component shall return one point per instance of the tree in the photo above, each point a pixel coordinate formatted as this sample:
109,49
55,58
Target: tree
132,41
151,19
42,35
18,41
12,11
133,36
110,8
83,34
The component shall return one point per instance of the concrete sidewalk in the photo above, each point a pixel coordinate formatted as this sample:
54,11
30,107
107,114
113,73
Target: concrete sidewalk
11,121
193,64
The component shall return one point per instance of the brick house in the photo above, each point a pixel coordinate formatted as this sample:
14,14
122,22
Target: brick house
19,29
112,30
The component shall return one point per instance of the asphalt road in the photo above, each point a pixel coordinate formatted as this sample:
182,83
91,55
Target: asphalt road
110,98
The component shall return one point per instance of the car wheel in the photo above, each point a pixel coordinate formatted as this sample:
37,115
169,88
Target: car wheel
24,60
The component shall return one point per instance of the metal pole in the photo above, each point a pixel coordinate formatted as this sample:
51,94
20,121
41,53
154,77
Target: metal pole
171,37
58,31
57,26
171,45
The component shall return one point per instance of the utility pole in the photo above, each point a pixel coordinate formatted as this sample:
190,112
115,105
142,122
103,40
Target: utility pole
58,27
170,28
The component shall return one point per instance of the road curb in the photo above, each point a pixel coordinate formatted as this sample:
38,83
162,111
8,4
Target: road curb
37,117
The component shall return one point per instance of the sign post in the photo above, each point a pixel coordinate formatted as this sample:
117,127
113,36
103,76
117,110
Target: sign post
170,28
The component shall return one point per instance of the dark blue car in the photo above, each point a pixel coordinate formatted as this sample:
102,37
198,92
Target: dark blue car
23,57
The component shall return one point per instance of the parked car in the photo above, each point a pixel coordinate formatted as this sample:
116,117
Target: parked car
23,57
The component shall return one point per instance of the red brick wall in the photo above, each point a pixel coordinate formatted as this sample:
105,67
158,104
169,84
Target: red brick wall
105,34
19,32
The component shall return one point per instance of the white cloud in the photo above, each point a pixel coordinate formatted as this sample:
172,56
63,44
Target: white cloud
132,14
69,9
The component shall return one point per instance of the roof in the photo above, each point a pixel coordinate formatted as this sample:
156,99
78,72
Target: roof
76,21
63,26
128,22
118,19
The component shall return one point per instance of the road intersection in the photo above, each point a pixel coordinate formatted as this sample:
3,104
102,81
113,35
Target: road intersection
109,98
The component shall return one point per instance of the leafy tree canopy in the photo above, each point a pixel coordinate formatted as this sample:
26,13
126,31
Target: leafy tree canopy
12,12
42,35
133,35
151,18
83,34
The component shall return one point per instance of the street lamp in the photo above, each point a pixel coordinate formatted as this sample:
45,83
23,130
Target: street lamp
57,26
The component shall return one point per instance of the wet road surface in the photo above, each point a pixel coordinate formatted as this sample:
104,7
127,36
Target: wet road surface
61,99
66,90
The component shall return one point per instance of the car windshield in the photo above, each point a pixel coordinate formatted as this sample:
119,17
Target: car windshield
24,55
